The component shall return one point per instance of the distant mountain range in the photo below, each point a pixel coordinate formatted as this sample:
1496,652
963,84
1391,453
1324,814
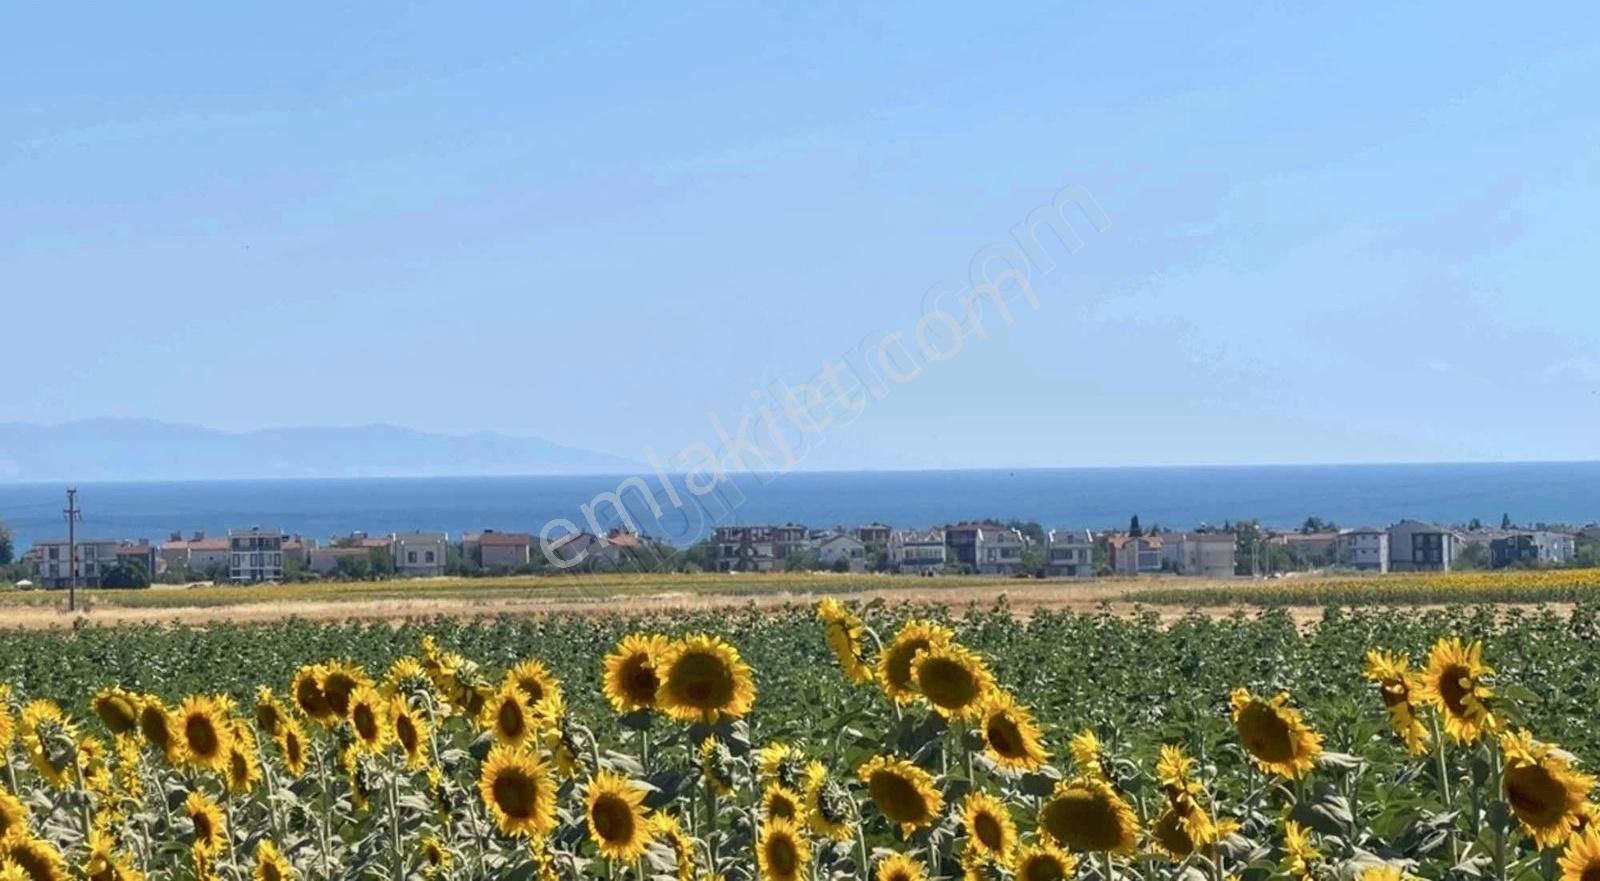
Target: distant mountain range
137,449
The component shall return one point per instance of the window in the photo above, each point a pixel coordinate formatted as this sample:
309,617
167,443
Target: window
411,556
428,557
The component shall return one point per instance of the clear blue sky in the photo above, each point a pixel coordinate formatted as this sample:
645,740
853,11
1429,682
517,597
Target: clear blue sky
1337,234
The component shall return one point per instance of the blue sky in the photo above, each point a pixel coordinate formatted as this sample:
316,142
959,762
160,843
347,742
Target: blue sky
1336,235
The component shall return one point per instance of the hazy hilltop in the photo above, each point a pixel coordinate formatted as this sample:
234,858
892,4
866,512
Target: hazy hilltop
131,449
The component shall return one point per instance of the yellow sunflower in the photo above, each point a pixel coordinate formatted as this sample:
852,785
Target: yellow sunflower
38,859
1274,733
270,712
436,857
244,769
160,729
782,852
207,734
1399,687
1386,872
209,832
102,862
50,740
630,681
338,682
410,732
1581,859
614,809
118,710
778,801
952,678
1087,814
716,766
307,692
1086,751
703,679
782,764
843,631
1043,862
1543,789
516,787
535,681
270,864
1010,736
507,717
1454,684
830,811
13,815
894,663
1185,826
292,747
1299,851
368,714
991,832
903,792
899,867
8,725
670,833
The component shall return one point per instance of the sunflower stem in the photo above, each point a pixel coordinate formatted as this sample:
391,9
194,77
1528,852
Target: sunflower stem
1497,774
1440,765
394,820
1111,869
327,810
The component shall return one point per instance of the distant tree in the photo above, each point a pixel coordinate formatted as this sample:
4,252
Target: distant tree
1317,524
1033,560
1030,530
1505,521
353,568
841,565
1133,527
1473,556
697,557
127,574
381,562
8,550
1474,524
800,561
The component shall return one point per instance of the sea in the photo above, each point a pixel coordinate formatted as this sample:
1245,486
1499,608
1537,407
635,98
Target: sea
684,509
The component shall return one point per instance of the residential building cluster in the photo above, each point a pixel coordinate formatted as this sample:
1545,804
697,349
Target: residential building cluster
260,554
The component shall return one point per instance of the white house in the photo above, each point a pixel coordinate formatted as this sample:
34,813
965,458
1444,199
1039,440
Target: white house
1069,553
999,551
419,554
918,551
833,547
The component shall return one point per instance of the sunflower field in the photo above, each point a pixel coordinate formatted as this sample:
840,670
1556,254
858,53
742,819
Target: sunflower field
840,742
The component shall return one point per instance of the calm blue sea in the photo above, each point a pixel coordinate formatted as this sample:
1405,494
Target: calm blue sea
1090,498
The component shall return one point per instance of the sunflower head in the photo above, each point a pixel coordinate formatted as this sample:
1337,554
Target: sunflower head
1010,736
843,631
991,832
159,728
903,792
535,681
1299,851
614,810
1400,690
410,731
830,811
270,712
506,715
436,856
703,679
1087,814
1454,682
13,815
781,802
631,681
1086,752
206,730
717,766
118,710
35,858
782,764
953,679
306,689
1547,795
244,769
50,740
339,681
516,787
900,867
782,851
1275,735
1581,859
895,673
1042,862
292,747
270,863
206,818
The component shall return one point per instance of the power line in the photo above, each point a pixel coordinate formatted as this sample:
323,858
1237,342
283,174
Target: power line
73,516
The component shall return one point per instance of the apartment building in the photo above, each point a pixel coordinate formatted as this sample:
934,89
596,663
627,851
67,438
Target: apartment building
1364,548
503,550
1415,546
999,551
1135,554
1069,553
1205,554
255,555
918,551
756,548
1532,547
874,534
53,561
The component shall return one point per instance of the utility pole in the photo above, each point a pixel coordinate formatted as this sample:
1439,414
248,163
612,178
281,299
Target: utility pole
73,516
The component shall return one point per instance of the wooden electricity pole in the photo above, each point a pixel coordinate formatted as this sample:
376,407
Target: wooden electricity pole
73,516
